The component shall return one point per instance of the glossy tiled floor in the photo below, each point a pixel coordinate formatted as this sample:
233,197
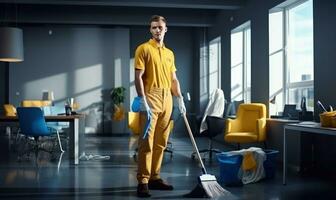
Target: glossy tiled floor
52,177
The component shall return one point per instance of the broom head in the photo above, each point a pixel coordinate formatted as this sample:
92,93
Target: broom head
208,187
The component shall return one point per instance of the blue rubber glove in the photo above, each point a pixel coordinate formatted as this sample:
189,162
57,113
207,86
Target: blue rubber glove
136,104
140,105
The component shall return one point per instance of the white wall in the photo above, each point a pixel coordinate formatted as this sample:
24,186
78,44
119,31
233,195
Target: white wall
80,62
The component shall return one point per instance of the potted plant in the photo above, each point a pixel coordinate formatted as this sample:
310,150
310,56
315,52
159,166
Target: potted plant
118,98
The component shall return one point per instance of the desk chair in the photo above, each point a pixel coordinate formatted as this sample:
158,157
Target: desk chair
46,107
33,124
234,107
134,126
215,127
249,125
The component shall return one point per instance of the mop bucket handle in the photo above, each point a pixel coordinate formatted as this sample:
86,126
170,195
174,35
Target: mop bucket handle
194,142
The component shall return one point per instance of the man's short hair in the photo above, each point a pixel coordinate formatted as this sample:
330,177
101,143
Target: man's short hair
156,18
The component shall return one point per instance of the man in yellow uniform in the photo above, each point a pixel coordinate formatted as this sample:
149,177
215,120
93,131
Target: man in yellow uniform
155,82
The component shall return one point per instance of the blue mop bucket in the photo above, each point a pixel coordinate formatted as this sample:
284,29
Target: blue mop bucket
229,168
270,163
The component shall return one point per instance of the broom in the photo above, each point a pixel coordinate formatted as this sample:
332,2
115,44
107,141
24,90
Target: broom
208,185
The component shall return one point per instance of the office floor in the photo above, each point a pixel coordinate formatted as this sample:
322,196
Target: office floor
50,178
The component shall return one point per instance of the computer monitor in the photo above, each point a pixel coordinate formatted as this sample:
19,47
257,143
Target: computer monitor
290,111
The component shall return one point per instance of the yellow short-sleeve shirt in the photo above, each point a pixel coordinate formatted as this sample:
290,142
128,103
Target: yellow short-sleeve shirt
157,62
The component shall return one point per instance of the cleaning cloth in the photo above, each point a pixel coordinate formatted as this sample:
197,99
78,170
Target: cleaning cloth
250,173
248,163
136,108
214,108
85,156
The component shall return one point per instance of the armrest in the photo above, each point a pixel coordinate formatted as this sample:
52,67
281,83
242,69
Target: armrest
216,125
234,125
261,128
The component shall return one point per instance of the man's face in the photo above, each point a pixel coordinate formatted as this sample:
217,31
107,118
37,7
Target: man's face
158,30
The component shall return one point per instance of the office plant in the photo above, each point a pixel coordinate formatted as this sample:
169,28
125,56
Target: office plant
118,98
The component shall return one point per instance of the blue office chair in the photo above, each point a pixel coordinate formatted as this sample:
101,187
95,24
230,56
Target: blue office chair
33,124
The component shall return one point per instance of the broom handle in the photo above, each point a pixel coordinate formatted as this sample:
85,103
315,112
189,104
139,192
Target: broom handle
194,143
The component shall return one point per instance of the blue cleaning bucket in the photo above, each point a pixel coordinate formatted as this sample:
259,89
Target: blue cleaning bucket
229,168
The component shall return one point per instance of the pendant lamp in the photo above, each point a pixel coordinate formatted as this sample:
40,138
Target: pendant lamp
11,44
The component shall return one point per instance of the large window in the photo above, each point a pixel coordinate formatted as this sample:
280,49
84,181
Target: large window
291,55
241,63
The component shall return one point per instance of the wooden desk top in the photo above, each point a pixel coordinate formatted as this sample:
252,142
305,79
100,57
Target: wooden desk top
310,127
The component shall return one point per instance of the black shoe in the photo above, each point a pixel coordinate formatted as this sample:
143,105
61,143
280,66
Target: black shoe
159,184
143,191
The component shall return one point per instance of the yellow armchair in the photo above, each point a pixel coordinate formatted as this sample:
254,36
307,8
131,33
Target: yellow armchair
249,126
9,109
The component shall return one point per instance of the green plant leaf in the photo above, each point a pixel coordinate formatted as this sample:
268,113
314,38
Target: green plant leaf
118,95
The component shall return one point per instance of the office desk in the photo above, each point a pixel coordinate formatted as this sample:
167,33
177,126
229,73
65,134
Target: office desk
274,128
304,127
76,125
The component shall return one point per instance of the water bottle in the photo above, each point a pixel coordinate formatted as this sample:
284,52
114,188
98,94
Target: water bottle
303,105
67,109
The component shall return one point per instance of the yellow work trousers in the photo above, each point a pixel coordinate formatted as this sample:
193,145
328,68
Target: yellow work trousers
151,148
